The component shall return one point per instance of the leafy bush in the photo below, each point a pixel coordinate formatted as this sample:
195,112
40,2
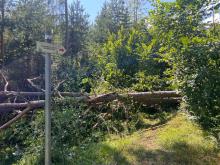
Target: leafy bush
192,48
73,125
201,82
129,60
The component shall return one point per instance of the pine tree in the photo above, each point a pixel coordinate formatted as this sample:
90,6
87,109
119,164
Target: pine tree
136,9
78,29
113,15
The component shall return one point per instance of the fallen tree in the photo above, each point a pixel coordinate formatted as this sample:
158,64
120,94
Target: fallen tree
33,104
38,94
141,97
147,98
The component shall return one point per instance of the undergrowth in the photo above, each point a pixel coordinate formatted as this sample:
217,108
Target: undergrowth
178,142
74,126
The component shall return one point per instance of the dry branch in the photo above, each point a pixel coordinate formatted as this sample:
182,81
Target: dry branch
6,82
30,81
6,125
56,89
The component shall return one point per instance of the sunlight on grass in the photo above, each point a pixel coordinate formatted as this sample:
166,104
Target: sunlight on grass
187,142
180,141
112,151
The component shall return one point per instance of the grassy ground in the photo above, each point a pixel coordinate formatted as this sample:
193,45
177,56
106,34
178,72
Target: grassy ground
178,142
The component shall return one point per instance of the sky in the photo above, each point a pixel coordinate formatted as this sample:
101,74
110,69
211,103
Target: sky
93,7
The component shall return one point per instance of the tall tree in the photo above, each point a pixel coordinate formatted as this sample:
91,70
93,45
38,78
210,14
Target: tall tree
136,9
113,15
78,29
5,7
66,24
29,27
192,48
2,28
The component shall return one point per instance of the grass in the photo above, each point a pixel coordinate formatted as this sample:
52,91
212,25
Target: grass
180,141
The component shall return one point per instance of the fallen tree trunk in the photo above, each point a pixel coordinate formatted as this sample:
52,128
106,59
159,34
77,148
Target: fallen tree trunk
38,94
147,98
138,96
11,106
142,97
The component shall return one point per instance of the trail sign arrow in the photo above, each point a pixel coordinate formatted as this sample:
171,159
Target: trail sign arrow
50,48
61,50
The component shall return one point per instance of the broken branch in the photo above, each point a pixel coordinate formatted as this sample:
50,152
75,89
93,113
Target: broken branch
6,125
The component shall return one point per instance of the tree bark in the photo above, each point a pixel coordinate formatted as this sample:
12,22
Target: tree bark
2,28
32,104
147,98
141,97
37,94
66,25
138,96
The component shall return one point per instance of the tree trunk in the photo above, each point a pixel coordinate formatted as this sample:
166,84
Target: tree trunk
2,28
66,26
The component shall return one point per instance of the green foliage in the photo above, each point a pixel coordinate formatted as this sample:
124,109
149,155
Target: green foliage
78,30
74,66
201,81
191,47
14,141
27,26
180,141
113,15
172,49
129,60
73,125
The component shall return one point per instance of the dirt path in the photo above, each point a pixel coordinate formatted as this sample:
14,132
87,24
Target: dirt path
179,142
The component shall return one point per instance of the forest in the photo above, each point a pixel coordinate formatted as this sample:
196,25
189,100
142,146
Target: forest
136,86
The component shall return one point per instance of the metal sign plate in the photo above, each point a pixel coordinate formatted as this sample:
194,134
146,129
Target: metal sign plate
50,48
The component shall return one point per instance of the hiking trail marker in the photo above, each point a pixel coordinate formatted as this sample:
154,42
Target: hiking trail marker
48,49
45,47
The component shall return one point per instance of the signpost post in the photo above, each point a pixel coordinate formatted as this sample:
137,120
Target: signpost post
47,109
48,49
48,38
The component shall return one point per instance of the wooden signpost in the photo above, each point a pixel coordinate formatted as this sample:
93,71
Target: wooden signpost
48,49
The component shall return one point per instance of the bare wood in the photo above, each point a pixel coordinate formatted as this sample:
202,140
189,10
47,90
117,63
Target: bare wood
30,81
103,98
6,125
156,94
141,97
56,89
33,104
138,96
37,94
6,82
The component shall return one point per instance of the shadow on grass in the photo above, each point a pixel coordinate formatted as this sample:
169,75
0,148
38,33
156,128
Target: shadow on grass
179,154
101,154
